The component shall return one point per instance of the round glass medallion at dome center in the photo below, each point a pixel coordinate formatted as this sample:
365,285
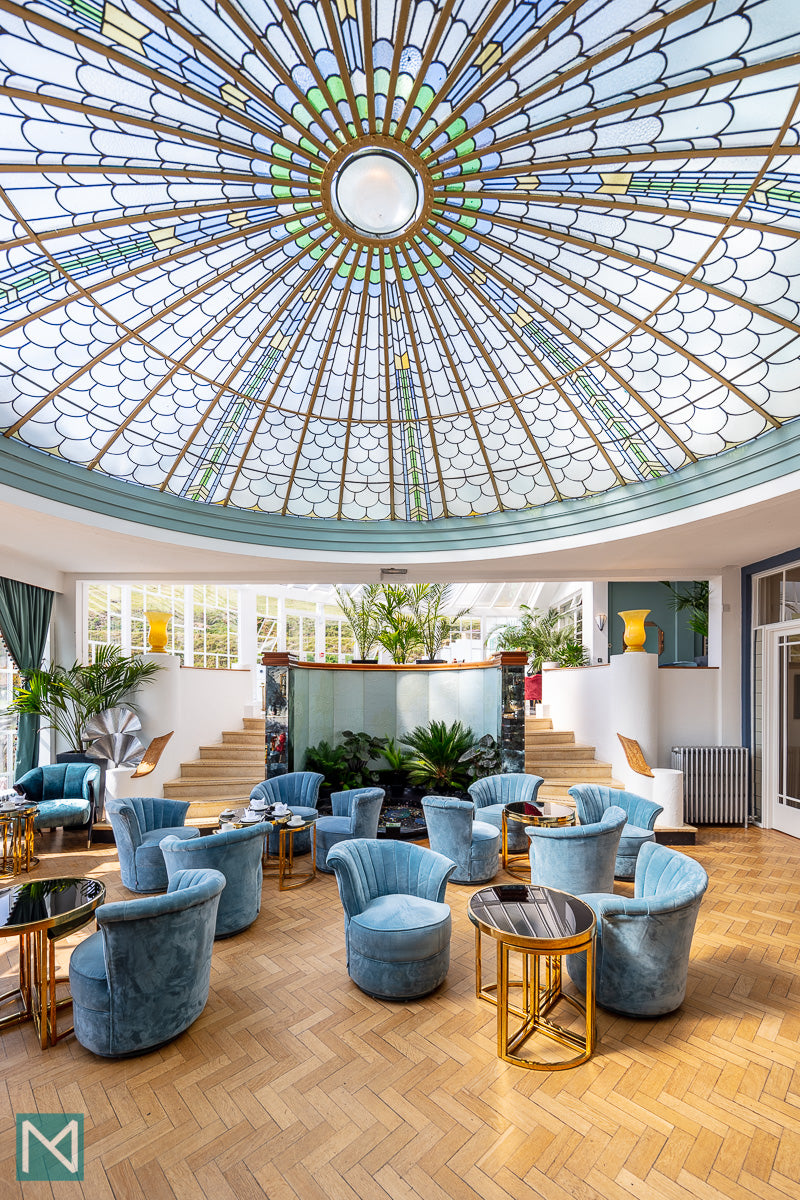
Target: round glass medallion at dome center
377,193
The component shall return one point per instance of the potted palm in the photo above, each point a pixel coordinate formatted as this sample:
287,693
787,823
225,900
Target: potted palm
397,630
435,761
427,602
66,697
360,610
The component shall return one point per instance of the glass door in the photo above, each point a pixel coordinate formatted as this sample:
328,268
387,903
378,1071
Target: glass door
782,712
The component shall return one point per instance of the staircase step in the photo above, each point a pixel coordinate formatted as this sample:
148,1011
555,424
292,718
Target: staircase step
538,723
250,755
254,724
202,769
585,772
549,737
558,754
211,789
242,737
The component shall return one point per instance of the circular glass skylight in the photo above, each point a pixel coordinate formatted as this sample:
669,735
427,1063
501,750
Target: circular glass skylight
376,193
578,270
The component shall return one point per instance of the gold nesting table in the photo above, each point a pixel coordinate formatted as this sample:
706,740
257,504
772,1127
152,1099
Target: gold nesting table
541,926
543,812
283,864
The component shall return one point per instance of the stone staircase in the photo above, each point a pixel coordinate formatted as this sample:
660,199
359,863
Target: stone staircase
560,760
224,773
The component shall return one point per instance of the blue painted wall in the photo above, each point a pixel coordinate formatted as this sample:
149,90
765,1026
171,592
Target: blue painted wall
680,643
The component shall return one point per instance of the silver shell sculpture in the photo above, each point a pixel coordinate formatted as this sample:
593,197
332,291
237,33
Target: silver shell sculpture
119,719
114,739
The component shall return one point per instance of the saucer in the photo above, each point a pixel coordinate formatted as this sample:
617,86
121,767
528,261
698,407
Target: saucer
295,821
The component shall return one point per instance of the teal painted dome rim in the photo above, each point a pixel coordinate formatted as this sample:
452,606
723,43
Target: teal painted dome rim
755,463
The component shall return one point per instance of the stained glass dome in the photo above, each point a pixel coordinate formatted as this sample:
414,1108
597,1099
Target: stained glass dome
397,260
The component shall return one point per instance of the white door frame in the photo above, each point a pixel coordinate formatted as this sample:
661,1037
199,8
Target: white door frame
771,728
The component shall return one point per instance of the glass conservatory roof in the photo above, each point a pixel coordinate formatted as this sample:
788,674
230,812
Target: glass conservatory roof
397,260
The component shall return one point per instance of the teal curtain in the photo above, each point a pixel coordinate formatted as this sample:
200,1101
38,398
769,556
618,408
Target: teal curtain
24,621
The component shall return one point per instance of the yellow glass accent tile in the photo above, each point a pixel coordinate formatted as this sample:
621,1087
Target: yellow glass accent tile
123,29
346,8
238,218
488,57
163,238
233,96
309,294
521,317
616,182
401,362
280,341
528,183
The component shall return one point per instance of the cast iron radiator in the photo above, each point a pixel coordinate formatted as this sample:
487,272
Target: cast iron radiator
715,783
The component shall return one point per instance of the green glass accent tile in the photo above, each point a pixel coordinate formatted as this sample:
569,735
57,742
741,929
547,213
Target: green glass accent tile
278,190
317,100
336,88
456,127
281,151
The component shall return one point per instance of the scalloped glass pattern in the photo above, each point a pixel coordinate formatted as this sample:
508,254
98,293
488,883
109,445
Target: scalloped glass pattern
599,287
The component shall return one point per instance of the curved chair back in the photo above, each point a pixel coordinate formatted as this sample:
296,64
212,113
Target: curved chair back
135,821
577,858
472,845
644,941
366,869
592,800
144,976
298,788
236,854
511,788
362,807
60,781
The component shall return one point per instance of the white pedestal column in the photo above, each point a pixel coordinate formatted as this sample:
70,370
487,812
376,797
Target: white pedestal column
667,790
634,688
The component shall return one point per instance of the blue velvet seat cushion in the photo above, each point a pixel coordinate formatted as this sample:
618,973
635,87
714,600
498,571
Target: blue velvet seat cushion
87,975
335,825
482,832
154,837
400,928
632,840
67,813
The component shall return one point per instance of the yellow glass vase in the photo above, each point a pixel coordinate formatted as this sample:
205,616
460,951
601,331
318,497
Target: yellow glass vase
635,633
157,623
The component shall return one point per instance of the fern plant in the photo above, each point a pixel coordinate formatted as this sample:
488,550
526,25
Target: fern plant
436,750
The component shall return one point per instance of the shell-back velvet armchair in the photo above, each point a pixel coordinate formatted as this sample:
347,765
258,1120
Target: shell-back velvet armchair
236,853
143,977
577,858
472,845
65,794
644,941
592,800
355,815
494,792
140,823
299,790
396,924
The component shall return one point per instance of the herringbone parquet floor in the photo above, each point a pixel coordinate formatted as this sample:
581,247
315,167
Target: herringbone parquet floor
293,1084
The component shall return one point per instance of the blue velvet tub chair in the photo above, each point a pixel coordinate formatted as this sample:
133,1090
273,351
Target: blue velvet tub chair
355,815
143,977
396,924
591,801
643,943
577,858
65,795
236,854
300,791
472,845
139,824
493,793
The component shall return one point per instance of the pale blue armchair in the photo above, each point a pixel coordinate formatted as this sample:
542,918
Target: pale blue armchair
644,942
396,924
144,976
139,824
65,795
592,800
472,845
494,792
355,815
577,858
300,791
236,854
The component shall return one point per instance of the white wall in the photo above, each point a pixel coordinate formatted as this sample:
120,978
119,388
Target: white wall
660,708
390,703
195,703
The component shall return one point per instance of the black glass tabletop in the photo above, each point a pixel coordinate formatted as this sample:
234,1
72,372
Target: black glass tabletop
530,912
54,901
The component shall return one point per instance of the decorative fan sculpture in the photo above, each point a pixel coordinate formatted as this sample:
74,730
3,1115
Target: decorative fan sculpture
397,260
114,739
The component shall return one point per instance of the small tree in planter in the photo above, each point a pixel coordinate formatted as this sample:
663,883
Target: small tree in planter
360,610
427,602
397,630
543,639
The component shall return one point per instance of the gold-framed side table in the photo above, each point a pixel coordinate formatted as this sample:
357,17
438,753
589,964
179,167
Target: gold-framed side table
542,926
39,913
16,839
548,813
288,876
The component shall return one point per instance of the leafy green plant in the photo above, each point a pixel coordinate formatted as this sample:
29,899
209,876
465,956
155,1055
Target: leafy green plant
543,639
66,697
482,758
436,755
693,600
329,761
397,630
397,758
358,750
427,602
360,610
